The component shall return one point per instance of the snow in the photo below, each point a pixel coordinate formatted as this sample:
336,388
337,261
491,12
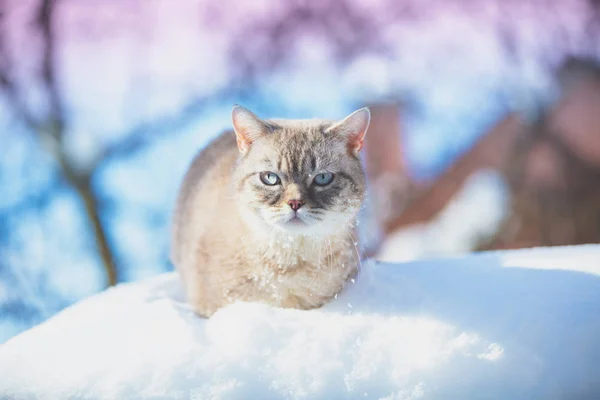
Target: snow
473,215
518,324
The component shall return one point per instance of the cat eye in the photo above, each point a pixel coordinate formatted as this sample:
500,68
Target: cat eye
323,179
269,178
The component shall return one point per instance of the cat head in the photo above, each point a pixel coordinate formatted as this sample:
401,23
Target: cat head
301,177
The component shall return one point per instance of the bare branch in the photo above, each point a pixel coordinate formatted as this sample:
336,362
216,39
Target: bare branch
45,22
51,129
140,136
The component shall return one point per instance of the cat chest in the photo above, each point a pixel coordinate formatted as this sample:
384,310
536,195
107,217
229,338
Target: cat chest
303,283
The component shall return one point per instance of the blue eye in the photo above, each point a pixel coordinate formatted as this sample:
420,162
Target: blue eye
323,179
269,178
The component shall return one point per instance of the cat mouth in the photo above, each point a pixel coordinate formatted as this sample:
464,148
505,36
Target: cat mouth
295,221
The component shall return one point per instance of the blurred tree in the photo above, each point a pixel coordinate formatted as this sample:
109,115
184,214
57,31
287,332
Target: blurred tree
554,168
50,127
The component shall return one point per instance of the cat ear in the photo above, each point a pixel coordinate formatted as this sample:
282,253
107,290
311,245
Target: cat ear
247,126
353,128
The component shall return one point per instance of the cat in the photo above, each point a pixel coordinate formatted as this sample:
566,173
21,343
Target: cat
266,213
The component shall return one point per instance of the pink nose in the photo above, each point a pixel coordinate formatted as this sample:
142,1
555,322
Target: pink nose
295,204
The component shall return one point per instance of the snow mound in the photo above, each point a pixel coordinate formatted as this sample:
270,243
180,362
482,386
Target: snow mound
520,324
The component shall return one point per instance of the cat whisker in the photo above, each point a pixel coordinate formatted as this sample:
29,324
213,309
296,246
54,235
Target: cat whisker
315,217
355,253
309,218
330,260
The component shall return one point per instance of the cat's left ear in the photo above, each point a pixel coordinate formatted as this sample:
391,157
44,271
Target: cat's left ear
247,126
353,128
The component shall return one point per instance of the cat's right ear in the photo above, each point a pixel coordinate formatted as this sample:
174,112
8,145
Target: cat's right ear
353,128
247,126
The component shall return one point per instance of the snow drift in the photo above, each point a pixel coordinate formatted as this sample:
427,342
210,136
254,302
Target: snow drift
522,324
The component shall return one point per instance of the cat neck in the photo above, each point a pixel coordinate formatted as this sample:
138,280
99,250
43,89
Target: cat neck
287,251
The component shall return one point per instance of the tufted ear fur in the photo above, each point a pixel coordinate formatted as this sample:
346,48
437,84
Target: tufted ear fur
247,126
353,128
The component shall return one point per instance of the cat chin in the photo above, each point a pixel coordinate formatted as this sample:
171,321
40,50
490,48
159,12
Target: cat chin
294,226
299,228
264,227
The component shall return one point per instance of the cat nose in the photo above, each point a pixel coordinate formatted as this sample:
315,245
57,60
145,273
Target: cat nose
295,204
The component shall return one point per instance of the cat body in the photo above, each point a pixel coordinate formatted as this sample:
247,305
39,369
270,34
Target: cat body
266,213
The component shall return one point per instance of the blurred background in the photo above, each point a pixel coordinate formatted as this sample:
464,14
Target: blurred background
485,130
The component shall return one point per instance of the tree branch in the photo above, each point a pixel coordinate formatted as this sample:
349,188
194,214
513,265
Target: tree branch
138,137
51,129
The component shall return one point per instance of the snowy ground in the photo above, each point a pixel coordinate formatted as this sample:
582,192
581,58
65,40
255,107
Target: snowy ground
506,325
